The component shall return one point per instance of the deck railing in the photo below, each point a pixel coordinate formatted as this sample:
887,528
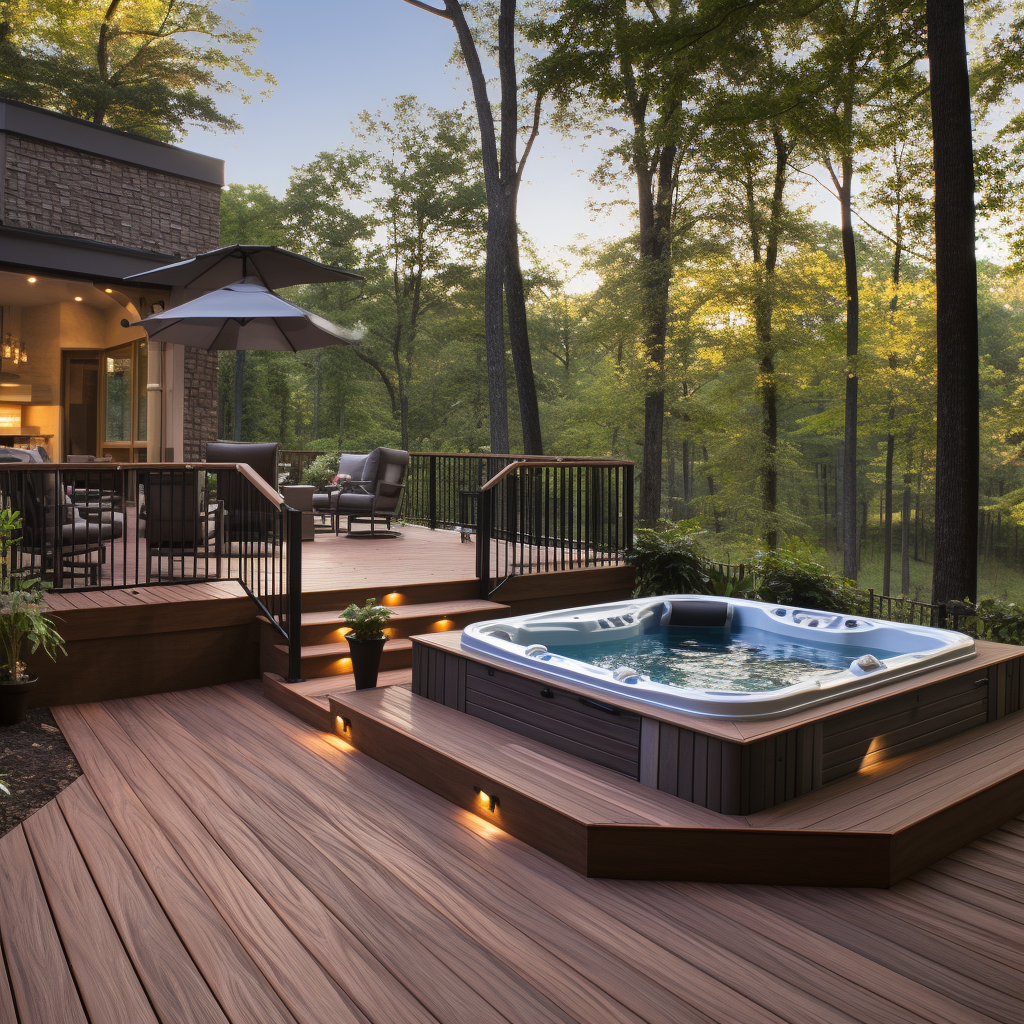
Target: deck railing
551,515
104,526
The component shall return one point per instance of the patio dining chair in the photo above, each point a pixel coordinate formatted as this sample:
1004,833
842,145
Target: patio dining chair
243,522
178,526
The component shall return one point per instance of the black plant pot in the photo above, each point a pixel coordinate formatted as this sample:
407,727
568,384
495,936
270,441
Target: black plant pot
365,656
14,700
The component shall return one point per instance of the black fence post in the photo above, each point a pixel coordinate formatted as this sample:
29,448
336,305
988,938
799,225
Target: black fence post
630,498
432,498
483,541
293,520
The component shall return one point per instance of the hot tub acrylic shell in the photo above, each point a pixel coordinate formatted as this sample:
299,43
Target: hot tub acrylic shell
522,641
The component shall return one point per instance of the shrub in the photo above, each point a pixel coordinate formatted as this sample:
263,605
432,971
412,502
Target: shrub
321,471
1002,621
666,561
785,578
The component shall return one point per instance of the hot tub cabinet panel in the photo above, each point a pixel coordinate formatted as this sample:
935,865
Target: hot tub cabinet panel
772,765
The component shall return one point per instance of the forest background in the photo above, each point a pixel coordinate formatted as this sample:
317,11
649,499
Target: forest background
722,126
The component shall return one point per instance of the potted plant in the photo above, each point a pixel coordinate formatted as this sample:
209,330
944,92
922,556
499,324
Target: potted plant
25,625
366,640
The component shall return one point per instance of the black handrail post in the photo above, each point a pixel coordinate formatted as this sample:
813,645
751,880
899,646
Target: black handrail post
628,507
483,541
293,519
433,492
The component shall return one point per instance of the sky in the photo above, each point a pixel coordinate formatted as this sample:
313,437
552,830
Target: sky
334,58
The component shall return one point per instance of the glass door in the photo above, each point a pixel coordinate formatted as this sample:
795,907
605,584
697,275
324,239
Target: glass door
125,372
80,386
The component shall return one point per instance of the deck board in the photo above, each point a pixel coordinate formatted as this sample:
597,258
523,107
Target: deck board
229,863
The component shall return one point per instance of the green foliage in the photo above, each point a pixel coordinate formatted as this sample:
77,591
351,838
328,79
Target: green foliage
667,562
368,621
321,471
990,619
25,625
146,66
786,578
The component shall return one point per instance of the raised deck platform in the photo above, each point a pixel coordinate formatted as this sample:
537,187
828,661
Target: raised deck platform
869,829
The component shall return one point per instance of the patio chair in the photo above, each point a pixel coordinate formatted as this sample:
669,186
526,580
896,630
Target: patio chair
176,525
351,468
241,521
375,500
52,529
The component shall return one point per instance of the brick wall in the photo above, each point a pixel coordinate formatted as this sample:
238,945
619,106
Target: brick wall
53,188
200,423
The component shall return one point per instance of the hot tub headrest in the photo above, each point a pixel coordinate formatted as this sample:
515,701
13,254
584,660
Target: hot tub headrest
700,614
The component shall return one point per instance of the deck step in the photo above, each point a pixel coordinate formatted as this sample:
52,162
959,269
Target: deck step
319,660
406,619
308,700
870,830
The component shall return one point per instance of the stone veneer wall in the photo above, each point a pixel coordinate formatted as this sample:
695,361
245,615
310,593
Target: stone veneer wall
53,188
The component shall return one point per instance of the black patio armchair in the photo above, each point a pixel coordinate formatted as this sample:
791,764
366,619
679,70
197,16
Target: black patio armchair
178,525
375,499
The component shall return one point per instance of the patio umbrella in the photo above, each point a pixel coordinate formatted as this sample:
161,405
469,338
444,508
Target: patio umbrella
273,266
245,316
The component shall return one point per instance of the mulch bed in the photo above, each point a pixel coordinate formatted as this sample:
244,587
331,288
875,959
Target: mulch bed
36,763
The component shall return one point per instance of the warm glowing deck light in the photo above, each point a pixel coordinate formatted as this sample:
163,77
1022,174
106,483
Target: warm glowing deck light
442,625
391,599
487,798
109,291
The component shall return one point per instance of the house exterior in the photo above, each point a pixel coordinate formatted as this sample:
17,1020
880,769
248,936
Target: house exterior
83,207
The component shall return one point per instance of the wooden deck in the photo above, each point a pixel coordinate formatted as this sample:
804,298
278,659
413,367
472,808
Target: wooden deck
221,861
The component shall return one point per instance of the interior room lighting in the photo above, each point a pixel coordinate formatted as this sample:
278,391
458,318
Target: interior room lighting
32,280
78,298
109,291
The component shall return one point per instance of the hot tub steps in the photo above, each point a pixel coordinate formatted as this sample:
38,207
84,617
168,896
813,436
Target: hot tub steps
325,652
308,699
869,829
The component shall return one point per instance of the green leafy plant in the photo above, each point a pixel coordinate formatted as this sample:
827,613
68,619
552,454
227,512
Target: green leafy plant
1002,621
321,471
367,622
786,578
25,625
667,562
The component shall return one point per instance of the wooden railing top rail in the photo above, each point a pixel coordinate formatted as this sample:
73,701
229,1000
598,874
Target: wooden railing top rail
242,468
588,459
542,462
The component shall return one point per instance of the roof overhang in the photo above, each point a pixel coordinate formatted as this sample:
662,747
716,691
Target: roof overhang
45,253
62,130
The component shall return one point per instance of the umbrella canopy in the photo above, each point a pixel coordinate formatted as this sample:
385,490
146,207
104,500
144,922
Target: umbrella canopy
273,266
245,315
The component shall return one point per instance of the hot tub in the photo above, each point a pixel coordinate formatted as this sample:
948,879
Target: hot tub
719,657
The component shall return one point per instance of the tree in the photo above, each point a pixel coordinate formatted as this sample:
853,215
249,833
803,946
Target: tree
956,283
146,66
249,215
858,54
612,57
420,176
503,172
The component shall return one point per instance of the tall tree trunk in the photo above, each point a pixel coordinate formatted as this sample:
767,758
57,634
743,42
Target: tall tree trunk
850,549
905,537
519,343
239,381
955,575
890,443
655,208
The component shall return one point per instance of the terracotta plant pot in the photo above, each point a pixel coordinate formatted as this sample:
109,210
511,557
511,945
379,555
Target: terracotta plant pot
14,700
365,656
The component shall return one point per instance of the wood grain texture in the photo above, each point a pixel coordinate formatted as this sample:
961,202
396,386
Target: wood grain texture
411,909
163,965
41,981
107,983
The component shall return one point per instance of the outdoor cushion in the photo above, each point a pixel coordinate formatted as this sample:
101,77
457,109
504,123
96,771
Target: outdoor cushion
352,466
349,504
